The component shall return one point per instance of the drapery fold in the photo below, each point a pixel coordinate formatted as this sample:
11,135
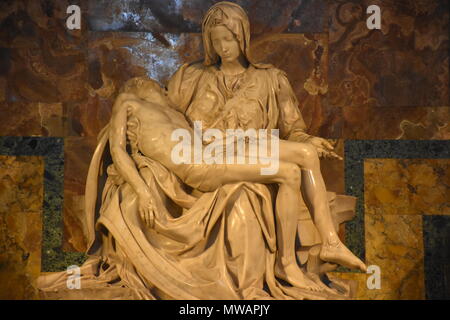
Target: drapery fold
215,245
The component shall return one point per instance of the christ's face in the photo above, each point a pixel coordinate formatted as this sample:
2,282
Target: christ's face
225,43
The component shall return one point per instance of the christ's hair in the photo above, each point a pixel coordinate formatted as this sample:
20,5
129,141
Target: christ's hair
138,85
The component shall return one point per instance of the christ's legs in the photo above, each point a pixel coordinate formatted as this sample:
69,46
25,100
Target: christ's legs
315,195
287,206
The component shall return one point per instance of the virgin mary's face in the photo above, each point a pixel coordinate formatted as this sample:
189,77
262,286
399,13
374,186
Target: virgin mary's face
225,43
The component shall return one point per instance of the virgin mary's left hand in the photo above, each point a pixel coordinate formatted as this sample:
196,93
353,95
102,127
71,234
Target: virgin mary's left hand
324,148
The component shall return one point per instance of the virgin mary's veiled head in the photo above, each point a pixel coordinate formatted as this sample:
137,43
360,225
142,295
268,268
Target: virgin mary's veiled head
234,18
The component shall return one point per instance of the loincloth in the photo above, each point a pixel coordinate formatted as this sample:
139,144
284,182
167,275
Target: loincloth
203,177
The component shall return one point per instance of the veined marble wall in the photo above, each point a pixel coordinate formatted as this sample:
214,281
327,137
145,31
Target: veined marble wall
57,88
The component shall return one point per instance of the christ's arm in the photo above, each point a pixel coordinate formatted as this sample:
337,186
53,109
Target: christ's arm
122,160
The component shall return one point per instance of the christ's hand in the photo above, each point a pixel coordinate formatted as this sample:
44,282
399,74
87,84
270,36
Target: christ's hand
146,208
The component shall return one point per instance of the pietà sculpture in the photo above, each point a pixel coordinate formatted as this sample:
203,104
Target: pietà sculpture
160,228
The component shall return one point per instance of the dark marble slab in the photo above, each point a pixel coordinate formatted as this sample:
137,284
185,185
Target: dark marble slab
436,242
177,16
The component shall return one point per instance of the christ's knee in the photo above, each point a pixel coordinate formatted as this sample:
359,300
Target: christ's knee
309,156
289,174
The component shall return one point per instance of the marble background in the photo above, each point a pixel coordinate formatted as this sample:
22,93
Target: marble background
352,83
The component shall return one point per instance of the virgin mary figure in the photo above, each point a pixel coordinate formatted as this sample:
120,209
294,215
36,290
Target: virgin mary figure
210,245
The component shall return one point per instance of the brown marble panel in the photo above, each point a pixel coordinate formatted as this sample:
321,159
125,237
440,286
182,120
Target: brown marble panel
410,123
21,199
407,186
333,175
115,57
267,16
359,278
304,58
21,180
77,155
118,56
435,125
403,64
46,75
87,118
2,89
322,119
395,244
74,234
31,119
19,119
178,16
333,169
30,23
42,60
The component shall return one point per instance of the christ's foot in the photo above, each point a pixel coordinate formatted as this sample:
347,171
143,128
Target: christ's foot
316,278
336,252
291,273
